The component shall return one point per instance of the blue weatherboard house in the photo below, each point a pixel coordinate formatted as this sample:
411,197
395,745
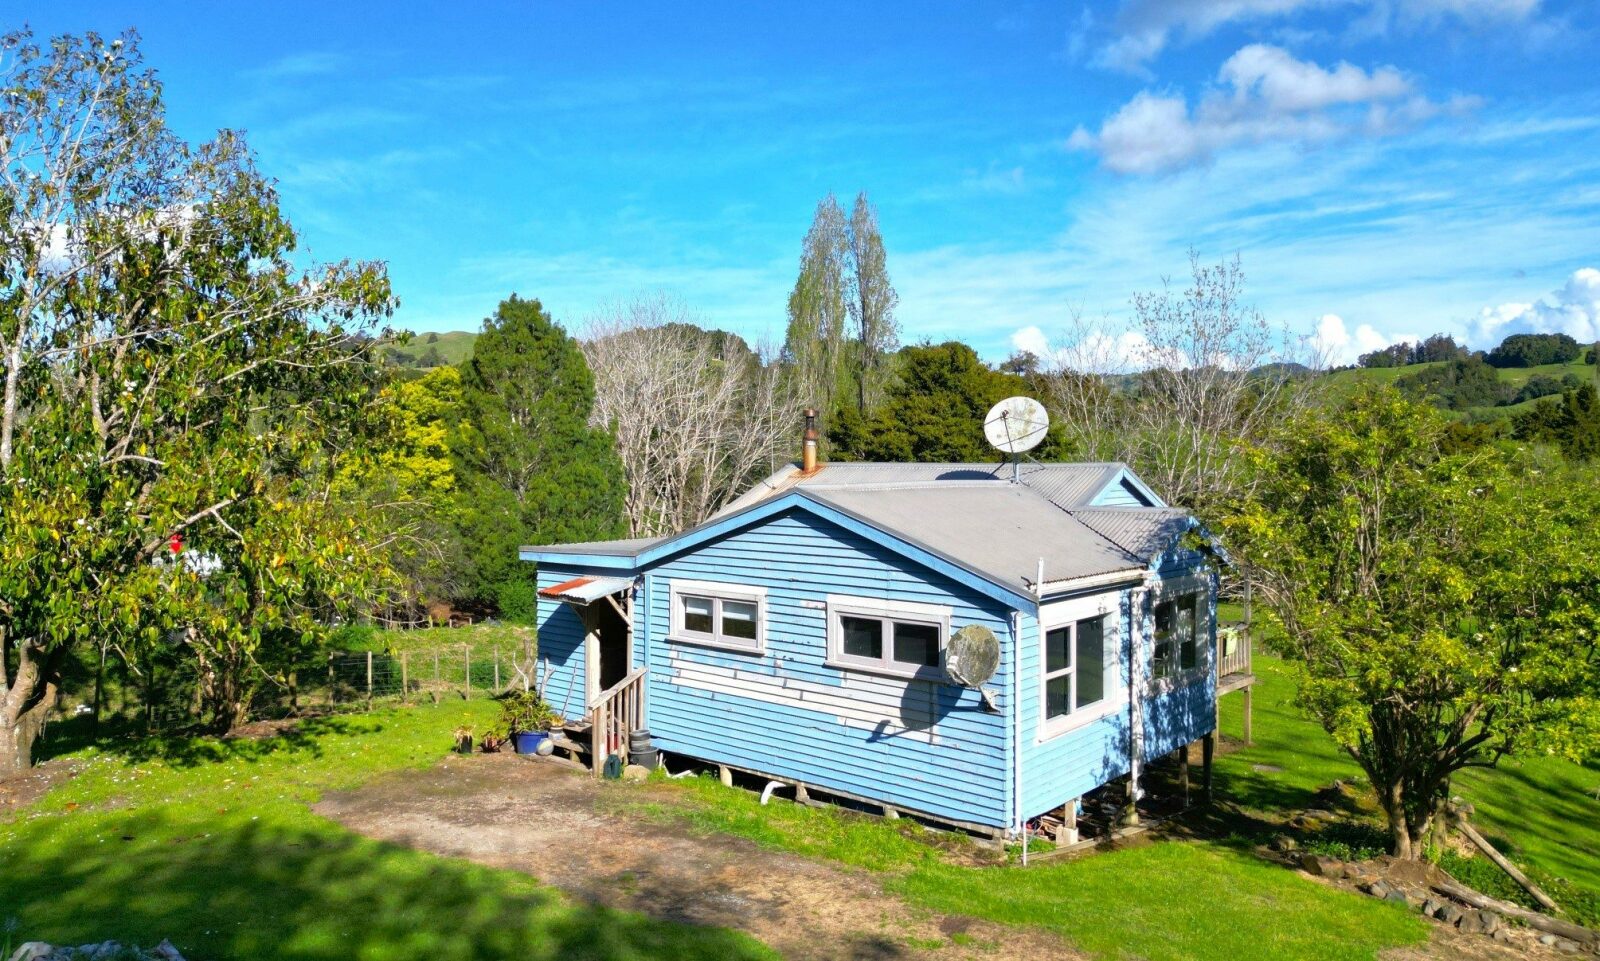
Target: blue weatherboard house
801,635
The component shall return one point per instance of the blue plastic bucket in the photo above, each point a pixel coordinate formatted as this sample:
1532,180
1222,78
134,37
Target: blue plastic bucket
527,742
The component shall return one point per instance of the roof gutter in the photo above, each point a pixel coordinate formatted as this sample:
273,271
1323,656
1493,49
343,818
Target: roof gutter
1076,584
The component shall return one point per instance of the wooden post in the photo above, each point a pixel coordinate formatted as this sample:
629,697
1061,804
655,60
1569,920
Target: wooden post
405,679
1183,771
1249,739
466,676
369,680
1208,747
725,774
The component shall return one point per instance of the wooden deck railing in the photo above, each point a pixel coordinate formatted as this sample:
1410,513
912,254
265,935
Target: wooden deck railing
614,714
1233,658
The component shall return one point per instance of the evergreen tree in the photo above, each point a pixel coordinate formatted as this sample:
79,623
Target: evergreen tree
530,468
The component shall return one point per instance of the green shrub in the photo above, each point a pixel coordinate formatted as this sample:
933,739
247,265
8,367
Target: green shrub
518,602
354,637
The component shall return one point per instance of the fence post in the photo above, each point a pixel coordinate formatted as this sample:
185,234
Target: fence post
369,680
466,674
405,686
333,688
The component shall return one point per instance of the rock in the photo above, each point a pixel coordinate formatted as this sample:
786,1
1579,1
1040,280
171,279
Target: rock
1470,923
1448,913
32,951
1397,896
1378,889
1318,814
635,772
166,951
1490,921
1503,935
1321,865
1431,906
1353,871
1548,940
1284,842
1570,947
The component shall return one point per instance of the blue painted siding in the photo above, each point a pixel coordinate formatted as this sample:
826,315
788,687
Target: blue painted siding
561,650
1059,768
919,745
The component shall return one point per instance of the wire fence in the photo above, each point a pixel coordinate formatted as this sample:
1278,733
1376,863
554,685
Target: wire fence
369,677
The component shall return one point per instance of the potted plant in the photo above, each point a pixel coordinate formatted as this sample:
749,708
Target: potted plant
526,720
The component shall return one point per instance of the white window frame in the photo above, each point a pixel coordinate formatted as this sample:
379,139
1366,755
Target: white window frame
887,611
717,593
1108,609
1168,591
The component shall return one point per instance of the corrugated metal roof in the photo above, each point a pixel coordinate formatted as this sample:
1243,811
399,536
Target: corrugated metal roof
999,532
585,590
1067,485
1145,532
620,548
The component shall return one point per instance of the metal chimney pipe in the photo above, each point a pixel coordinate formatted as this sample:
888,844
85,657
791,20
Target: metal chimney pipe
808,458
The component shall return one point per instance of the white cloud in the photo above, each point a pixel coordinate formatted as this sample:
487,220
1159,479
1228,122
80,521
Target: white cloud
1574,309
1336,345
1144,28
1265,94
1032,340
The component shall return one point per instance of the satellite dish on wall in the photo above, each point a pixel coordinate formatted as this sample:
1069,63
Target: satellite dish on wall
1016,424
971,657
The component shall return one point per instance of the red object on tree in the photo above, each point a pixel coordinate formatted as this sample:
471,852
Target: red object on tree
176,543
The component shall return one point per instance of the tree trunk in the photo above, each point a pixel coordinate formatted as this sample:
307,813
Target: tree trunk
1401,838
26,705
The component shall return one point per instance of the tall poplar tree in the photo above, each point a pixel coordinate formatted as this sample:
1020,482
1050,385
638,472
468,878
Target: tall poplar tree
814,346
530,468
871,300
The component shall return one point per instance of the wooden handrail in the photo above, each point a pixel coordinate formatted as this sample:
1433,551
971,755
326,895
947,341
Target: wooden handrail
615,689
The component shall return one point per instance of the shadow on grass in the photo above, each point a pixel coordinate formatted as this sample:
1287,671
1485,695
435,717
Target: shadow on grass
189,750
288,885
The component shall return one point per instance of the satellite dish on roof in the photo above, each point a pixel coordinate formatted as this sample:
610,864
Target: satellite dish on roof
1016,424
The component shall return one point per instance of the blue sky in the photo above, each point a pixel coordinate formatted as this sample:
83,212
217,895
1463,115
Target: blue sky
1384,168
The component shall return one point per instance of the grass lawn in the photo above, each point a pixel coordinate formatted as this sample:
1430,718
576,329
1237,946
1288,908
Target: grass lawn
1166,900
1542,811
210,843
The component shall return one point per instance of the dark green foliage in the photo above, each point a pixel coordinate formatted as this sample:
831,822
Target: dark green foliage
1535,350
1573,422
1458,385
518,601
1544,385
530,468
1594,355
934,411
1436,348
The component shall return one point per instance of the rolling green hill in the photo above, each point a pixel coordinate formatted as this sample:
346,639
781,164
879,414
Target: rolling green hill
1341,384
431,349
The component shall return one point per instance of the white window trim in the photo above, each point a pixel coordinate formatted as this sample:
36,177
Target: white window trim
1107,607
839,604
718,592
1173,589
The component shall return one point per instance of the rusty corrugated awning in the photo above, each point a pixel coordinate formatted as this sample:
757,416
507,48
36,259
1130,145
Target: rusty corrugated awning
584,590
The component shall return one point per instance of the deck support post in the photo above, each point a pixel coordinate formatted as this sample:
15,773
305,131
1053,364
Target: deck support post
1069,823
801,795
890,813
726,774
1249,738
1208,747
1130,815
1183,771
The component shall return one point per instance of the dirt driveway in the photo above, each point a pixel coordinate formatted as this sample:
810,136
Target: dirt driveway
551,822
542,819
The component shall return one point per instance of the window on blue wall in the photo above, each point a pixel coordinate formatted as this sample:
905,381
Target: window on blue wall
1074,667
719,615
1176,643
886,637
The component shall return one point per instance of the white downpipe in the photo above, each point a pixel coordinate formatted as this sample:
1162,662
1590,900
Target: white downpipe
1135,699
1016,730
766,792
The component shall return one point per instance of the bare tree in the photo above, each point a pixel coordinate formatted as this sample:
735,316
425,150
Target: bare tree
1195,372
697,414
871,301
815,344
